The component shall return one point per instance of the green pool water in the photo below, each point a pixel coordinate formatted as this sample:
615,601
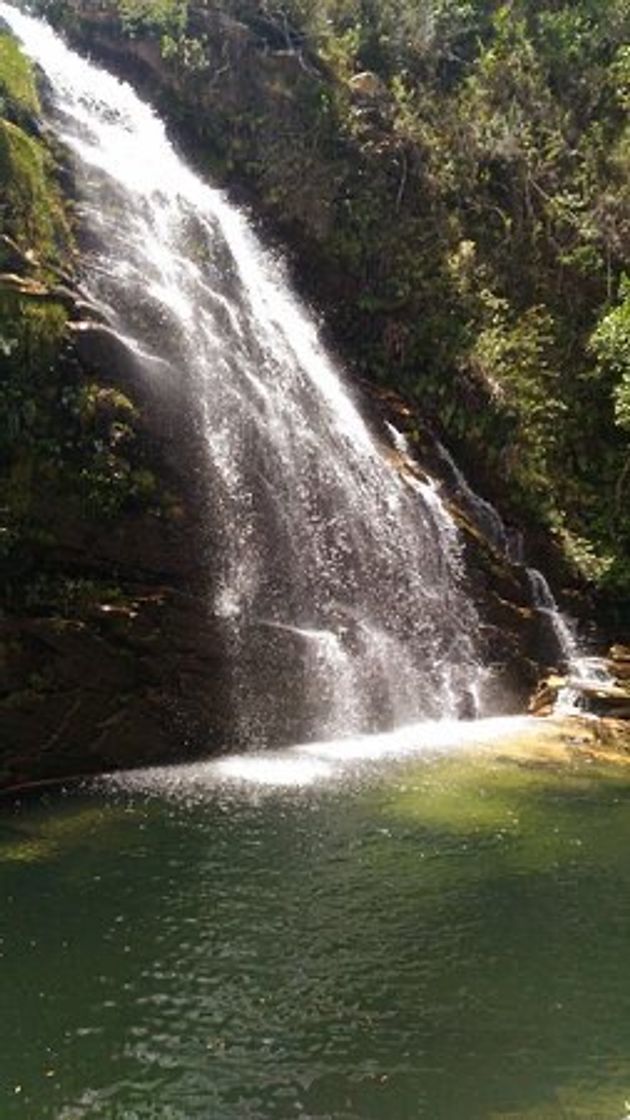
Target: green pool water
445,938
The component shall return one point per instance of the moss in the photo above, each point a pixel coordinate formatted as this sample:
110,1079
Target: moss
18,92
30,337
31,208
31,211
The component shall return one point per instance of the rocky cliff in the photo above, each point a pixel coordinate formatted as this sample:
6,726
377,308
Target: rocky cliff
110,656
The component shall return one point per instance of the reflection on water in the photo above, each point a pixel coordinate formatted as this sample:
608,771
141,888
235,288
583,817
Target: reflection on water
443,936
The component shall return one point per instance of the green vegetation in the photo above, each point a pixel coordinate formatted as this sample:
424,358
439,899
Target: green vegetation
485,224
610,344
18,92
454,174
164,17
31,213
33,230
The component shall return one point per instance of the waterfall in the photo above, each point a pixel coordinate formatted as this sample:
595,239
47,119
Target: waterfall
581,669
335,575
583,672
544,602
485,516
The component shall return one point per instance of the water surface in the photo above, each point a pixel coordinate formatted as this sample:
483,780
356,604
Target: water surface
444,937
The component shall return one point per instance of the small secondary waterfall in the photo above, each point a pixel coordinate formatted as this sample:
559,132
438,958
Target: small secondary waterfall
583,671
336,575
485,516
481,512
543,600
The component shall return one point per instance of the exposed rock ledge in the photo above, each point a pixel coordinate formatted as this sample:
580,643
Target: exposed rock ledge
117,688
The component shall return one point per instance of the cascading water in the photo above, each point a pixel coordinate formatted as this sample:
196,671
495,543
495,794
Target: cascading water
482,513
583,671
335,576
545,603
485,516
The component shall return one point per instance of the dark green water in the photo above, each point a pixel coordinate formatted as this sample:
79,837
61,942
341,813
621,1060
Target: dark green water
448,939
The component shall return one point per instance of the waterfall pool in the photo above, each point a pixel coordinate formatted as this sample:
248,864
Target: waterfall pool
385,936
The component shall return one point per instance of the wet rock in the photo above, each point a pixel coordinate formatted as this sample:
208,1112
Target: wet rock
13,259
126,687
513,641
23,286
120,677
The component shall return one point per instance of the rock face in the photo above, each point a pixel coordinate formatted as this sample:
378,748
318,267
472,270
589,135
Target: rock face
108,656
121,687
140,677
514,641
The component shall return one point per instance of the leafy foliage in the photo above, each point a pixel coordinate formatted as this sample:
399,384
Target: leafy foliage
164,17
610,343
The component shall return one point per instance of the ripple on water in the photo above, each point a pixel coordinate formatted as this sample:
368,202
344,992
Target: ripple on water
425,940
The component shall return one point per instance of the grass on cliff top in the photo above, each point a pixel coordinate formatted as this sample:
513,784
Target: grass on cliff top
18,92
